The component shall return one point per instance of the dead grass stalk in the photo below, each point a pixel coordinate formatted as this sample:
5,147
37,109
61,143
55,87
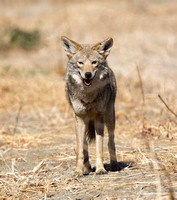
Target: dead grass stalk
167,106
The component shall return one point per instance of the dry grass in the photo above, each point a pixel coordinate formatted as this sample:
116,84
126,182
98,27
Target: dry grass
37,141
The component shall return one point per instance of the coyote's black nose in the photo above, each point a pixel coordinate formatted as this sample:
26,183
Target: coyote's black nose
88,75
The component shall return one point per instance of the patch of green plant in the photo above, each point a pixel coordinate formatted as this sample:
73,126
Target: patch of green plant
7,69
24,39
24,72
32,72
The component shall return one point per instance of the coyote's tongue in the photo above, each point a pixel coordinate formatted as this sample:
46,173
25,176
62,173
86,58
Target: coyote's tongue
87,82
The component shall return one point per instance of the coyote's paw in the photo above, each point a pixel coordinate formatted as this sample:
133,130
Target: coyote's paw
87,170
78,173
100,171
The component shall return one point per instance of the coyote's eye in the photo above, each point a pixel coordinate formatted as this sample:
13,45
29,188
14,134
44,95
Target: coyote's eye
80,63
94,63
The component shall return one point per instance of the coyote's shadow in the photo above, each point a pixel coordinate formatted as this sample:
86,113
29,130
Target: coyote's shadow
118,167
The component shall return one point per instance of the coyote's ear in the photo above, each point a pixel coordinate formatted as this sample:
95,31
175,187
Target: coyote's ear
70,46
104,47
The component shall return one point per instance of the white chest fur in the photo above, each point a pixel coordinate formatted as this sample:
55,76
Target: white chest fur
78,106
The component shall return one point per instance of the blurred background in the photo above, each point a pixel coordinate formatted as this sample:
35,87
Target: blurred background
144,32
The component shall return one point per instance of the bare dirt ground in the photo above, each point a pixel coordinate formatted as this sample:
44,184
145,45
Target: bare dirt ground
37,132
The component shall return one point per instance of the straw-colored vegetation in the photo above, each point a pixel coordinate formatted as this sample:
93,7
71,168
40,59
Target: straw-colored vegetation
37,139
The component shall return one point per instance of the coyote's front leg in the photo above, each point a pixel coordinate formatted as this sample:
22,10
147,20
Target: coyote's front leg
99,128
82,158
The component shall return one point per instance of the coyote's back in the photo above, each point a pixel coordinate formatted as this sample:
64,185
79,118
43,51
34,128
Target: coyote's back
91,91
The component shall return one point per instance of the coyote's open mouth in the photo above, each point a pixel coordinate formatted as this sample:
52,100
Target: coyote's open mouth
87,82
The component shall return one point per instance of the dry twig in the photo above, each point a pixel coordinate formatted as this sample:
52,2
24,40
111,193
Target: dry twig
17,118
143,99
167,106
39,166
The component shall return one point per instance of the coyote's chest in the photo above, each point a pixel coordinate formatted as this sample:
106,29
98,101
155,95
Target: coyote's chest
88,105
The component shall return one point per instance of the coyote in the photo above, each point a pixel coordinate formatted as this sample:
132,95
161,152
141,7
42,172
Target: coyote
91,91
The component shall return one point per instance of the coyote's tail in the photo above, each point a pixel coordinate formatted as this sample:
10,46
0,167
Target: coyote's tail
91,131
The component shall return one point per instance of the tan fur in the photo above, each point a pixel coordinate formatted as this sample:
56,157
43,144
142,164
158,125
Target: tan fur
91,91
